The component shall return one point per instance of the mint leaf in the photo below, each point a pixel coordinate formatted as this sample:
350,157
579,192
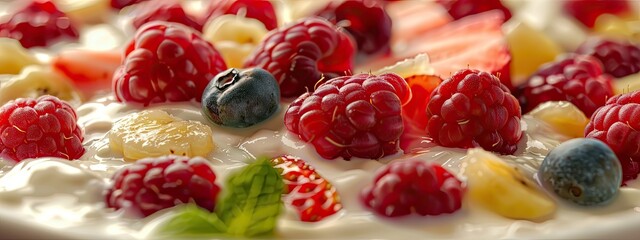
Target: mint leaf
252,200
193,221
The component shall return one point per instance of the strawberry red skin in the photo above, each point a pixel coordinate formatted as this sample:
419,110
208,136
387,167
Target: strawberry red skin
304,186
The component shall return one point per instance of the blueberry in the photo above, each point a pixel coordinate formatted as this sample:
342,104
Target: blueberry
584,171
241,99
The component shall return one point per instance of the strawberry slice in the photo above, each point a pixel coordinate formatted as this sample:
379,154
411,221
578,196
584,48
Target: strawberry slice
414,113
475,42
313,197
413,18
90,71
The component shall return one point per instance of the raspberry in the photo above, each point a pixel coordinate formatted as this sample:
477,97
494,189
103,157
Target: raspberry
462,8
299,55
166,62
120,4
365,20
588,11
620,58
167,10
42,127
617,124
152,184
471,109
261,10
357,116
38,24
405,187
578,79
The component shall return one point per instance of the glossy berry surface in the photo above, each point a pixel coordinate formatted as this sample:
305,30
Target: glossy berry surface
365,20
588,11
313,196
152,184
166,62
241,99
619,57
166,10
578,79
462,8
582,170
413,186
261,10
303,53
473,109
42,127
351,116
38,24
618,125
120,4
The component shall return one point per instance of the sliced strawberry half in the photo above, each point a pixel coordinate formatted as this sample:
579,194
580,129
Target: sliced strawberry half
90,71
414,113
313,197
474,42
413,18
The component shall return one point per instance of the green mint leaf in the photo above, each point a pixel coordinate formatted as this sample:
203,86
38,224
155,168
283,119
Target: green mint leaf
251,200
193,221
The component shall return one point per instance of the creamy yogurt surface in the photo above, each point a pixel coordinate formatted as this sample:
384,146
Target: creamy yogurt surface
57,198
68,194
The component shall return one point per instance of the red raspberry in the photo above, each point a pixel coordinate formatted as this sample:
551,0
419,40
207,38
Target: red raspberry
471,109
42,127
38,24
462,8
166,10
618,125
152,184
588,11
619,57
357,116
120,4
313,196
405,187
261,10
166,62
578,79
299,55
365,20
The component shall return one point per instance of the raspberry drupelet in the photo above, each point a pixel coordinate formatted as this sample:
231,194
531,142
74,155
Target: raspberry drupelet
39,24
152,184
413,186
578,79
617,124
301,54
351,116
42,127
473,109
166,62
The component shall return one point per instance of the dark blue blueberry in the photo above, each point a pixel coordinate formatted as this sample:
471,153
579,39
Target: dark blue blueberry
241,99
582,170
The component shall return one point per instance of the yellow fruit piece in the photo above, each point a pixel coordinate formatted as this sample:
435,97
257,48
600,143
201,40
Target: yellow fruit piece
530,48
419,65
563,116
614,26
503,189
154,133
35,81
89,11
234,37
627,84
14,57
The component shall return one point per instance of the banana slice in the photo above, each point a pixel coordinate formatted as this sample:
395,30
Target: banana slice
14,57
504,189
154,133
563,116
419,65
88,11
35,81
234,37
